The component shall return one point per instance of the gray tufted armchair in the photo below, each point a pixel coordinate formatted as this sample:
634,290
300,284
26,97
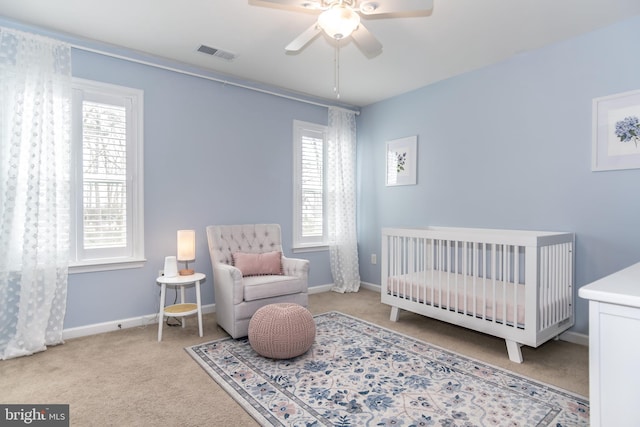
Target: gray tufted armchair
237,296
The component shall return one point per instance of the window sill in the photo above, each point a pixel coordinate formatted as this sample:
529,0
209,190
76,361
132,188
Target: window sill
105,265
302,249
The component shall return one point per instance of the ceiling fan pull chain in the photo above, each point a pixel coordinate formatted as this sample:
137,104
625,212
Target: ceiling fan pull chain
336,72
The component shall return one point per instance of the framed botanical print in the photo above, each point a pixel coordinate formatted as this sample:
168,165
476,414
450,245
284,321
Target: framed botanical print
402,161
616,132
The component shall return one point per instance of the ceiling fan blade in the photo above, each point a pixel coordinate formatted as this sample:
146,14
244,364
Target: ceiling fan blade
303,39
373,7
367,43
304,4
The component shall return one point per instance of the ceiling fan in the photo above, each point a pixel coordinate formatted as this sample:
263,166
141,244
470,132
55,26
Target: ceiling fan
340,19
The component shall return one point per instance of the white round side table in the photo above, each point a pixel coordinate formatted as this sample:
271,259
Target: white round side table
183,309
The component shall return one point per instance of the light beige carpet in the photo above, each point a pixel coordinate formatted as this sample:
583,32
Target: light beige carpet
127,378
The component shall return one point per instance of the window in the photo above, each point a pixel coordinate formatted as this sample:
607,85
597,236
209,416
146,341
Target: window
106,184
309,210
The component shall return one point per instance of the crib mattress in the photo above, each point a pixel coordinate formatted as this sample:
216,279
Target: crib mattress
474,296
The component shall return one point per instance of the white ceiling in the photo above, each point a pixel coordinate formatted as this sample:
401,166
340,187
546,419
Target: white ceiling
459,36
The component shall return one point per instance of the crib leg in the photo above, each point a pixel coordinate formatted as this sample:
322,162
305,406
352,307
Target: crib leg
395,314
514,350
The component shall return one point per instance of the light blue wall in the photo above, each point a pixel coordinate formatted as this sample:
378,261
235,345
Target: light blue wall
509,146
213,154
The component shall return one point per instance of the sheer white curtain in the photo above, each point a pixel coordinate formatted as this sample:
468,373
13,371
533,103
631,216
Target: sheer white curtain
341,200
35,101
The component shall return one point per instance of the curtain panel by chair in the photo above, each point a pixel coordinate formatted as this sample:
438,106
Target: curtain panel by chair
341,200
35,129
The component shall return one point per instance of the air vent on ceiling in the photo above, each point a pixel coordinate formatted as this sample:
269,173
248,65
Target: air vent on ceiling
218,53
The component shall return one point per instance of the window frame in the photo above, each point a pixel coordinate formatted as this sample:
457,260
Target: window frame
133,100
300,243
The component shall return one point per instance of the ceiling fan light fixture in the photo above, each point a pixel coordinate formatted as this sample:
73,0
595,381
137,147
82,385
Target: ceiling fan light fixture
339,21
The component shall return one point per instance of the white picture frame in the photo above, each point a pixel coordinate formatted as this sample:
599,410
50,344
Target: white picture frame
402,161
616,132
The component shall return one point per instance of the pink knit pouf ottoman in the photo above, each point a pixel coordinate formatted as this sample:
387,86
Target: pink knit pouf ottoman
282,331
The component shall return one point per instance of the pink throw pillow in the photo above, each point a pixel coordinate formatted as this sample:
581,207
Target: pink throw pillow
258,264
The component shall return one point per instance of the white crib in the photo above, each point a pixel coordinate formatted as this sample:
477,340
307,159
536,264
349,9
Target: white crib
513,284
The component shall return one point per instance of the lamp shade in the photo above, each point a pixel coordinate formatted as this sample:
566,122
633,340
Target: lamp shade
338,21
186,245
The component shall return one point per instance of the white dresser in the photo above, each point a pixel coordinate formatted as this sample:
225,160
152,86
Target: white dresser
614,348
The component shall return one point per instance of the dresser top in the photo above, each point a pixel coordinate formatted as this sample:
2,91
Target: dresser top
622,288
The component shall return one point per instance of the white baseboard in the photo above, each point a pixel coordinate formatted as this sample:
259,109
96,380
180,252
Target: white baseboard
370,286
146,320
327,288
150,319
575,337
319,289
114,325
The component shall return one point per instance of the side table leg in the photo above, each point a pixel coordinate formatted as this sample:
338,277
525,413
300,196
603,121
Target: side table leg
182,299
199,305
163,290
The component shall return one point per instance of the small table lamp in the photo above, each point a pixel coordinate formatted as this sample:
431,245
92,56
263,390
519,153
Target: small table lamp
186,250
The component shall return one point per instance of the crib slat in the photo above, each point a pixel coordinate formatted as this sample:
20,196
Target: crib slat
556,279
484,281
410,257
552,282
447,257
474,255
440,266
423,257
505,276
434,250
444,244
563,281
516,284
552,287
544,260
465,273
494,263
457,280
544,286
396,264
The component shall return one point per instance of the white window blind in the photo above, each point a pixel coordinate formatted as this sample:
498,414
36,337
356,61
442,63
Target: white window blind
312,186
104,175
107,188
309,185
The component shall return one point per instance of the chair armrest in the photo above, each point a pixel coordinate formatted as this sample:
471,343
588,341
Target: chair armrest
228,283
296,267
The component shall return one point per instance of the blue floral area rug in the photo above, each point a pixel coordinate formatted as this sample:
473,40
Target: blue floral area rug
360,374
